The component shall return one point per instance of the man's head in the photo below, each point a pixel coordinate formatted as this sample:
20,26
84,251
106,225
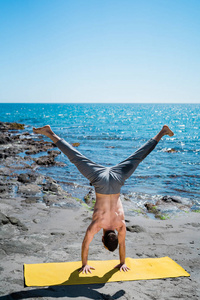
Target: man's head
110,240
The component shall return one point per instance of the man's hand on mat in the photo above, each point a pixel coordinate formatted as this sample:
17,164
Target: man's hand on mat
86,269
122,267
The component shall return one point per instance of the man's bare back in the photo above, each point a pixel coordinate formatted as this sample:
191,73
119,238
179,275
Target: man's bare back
108,212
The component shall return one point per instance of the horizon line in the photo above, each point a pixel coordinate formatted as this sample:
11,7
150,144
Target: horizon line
99,103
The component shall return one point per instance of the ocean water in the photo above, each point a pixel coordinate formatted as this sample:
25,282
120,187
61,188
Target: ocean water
109,133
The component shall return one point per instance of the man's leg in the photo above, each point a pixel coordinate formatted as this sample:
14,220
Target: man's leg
87,168
126,168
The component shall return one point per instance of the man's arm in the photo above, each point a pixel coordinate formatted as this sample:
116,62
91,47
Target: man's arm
91,231
122,248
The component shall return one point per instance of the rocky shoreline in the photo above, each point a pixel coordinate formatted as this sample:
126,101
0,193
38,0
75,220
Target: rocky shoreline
40,221
18,174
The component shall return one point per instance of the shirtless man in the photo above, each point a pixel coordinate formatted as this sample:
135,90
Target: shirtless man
108,211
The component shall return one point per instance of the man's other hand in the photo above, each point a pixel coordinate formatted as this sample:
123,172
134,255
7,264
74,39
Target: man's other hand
122,267
85,269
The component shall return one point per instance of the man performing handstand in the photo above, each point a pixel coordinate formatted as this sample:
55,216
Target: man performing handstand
108,211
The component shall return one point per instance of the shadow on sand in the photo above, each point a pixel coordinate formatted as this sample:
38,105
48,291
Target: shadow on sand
69,289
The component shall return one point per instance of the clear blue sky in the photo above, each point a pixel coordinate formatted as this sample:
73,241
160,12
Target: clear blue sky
100,51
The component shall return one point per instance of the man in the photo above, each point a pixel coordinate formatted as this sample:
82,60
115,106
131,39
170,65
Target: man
108,211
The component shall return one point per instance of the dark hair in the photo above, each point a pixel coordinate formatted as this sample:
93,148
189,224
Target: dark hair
110,240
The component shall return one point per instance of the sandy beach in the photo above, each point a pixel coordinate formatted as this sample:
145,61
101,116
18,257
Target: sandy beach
34,229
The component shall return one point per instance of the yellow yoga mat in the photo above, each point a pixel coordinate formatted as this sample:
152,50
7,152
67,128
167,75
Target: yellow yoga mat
66,273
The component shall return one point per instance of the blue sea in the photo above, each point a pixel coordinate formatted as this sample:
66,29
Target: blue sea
109,133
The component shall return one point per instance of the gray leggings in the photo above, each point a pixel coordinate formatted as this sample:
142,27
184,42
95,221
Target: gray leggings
106,180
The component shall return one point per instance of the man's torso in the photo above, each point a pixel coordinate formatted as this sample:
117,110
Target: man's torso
108,211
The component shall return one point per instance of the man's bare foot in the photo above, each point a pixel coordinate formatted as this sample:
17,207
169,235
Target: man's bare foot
45,130
167,131
164,131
